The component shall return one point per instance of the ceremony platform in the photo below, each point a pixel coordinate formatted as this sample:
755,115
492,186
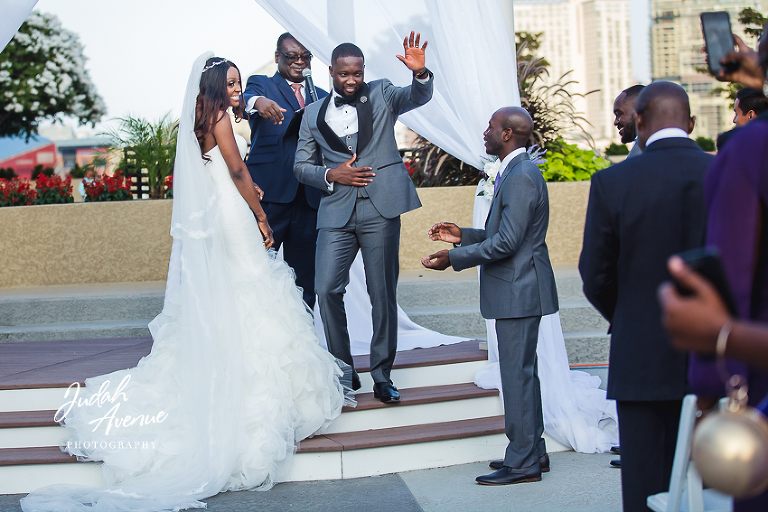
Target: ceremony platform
443,419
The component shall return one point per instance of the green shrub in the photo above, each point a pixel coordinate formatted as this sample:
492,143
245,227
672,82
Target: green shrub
39,169
706,143
569,163
7,173
77,171
616,150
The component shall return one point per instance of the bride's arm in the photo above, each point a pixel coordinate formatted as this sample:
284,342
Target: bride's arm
225,138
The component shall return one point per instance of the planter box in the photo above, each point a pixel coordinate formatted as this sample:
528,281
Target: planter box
129,241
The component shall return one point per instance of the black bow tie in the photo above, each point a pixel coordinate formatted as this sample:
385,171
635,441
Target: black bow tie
344,100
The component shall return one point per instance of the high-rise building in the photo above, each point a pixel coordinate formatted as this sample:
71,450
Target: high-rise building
590,38
677,56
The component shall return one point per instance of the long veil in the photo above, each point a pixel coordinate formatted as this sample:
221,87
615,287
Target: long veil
196,450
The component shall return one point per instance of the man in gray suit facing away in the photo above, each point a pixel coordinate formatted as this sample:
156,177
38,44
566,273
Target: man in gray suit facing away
517,287
362,205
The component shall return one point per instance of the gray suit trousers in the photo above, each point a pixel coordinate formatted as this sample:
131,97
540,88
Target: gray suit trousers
524,423
378,239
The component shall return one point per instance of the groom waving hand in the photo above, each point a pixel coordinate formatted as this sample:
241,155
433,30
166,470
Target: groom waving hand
367,188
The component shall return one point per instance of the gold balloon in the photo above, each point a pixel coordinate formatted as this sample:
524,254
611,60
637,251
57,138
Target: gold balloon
730,450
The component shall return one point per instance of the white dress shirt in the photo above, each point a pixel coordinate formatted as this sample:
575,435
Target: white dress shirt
666,133
343,119
251,103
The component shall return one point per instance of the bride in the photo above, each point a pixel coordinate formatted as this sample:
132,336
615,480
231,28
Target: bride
236,376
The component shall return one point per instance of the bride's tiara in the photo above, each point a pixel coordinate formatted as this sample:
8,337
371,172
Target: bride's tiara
214,64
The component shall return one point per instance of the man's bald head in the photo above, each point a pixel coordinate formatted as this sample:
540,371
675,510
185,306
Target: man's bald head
662,105
510,128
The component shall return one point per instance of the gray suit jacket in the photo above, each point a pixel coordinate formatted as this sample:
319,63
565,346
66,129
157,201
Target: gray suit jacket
516,278
391,191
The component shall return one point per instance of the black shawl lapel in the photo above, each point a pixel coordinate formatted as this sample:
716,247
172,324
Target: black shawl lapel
330,137
285,90
364,119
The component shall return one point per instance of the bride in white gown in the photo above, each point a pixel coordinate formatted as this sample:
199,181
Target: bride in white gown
236,376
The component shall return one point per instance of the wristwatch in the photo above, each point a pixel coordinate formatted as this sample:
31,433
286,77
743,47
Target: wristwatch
424,74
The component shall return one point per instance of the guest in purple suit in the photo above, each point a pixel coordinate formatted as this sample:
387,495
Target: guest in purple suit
736,195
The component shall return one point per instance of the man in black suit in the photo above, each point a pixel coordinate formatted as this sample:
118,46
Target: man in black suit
640,212
291,207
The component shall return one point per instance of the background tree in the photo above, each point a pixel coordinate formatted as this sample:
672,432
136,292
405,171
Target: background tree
43,76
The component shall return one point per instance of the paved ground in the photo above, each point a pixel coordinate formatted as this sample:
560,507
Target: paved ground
577,482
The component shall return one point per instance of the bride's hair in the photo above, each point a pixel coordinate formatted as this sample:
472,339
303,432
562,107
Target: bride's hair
212,98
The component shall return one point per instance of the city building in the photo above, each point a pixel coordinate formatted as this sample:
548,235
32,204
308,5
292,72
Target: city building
591,39
677,56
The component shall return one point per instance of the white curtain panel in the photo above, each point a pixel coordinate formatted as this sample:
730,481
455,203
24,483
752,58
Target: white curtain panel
14,12
469,51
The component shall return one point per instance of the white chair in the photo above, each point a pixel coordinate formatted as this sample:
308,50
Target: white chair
683,472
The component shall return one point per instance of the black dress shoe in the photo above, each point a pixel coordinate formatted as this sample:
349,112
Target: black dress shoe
507,475
616,450
543,462
616,463
386,392
355,381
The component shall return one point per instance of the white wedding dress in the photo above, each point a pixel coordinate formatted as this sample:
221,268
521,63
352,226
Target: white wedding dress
235,379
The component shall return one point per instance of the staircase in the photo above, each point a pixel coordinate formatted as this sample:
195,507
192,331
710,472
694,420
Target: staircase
56,336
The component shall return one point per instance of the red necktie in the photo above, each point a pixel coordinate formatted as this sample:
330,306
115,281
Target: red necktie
297,92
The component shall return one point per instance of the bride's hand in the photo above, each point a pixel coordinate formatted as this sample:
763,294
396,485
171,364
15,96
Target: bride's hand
266,232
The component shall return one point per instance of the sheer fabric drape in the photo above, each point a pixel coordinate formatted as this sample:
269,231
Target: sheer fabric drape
14,14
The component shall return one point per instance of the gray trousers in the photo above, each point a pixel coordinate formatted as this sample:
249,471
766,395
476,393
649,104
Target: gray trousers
378,239
524,423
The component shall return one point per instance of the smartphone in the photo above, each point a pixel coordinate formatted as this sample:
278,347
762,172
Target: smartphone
718,37
706,261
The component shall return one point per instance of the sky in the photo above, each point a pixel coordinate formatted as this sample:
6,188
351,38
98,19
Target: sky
140,52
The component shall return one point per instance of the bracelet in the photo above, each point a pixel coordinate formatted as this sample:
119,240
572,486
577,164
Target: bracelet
422,74
722,339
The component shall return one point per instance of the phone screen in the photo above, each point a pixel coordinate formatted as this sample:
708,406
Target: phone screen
716,27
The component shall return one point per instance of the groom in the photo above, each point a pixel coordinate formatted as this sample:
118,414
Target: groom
366,189
517,287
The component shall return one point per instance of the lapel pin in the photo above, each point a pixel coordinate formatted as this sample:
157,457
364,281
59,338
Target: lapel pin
363,99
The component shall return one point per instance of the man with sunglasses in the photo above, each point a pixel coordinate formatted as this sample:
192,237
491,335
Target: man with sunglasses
291,207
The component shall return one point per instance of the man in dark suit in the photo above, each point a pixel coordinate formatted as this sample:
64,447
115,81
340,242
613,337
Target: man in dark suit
640,212
517,287
624,117
291,207
362,205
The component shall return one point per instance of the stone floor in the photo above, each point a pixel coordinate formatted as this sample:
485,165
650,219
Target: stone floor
577,482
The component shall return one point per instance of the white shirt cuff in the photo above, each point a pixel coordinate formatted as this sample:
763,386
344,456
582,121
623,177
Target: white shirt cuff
249,105
327,184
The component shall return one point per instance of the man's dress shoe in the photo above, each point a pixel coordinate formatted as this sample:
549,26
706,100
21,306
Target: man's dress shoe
543,462
355,381
386,392
616,463
616,450
507,475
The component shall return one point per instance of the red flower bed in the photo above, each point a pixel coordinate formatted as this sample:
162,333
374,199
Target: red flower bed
169,186
53,189
109,188
16,192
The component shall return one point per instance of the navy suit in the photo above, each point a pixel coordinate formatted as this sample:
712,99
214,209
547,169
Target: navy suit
291,207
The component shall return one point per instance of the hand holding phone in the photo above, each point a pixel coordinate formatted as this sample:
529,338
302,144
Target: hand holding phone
719,41
706,261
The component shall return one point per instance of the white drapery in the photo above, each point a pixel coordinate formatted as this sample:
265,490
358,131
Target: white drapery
469,51
14,14
472,57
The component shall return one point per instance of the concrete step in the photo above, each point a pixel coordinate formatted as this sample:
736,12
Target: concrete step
76,330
